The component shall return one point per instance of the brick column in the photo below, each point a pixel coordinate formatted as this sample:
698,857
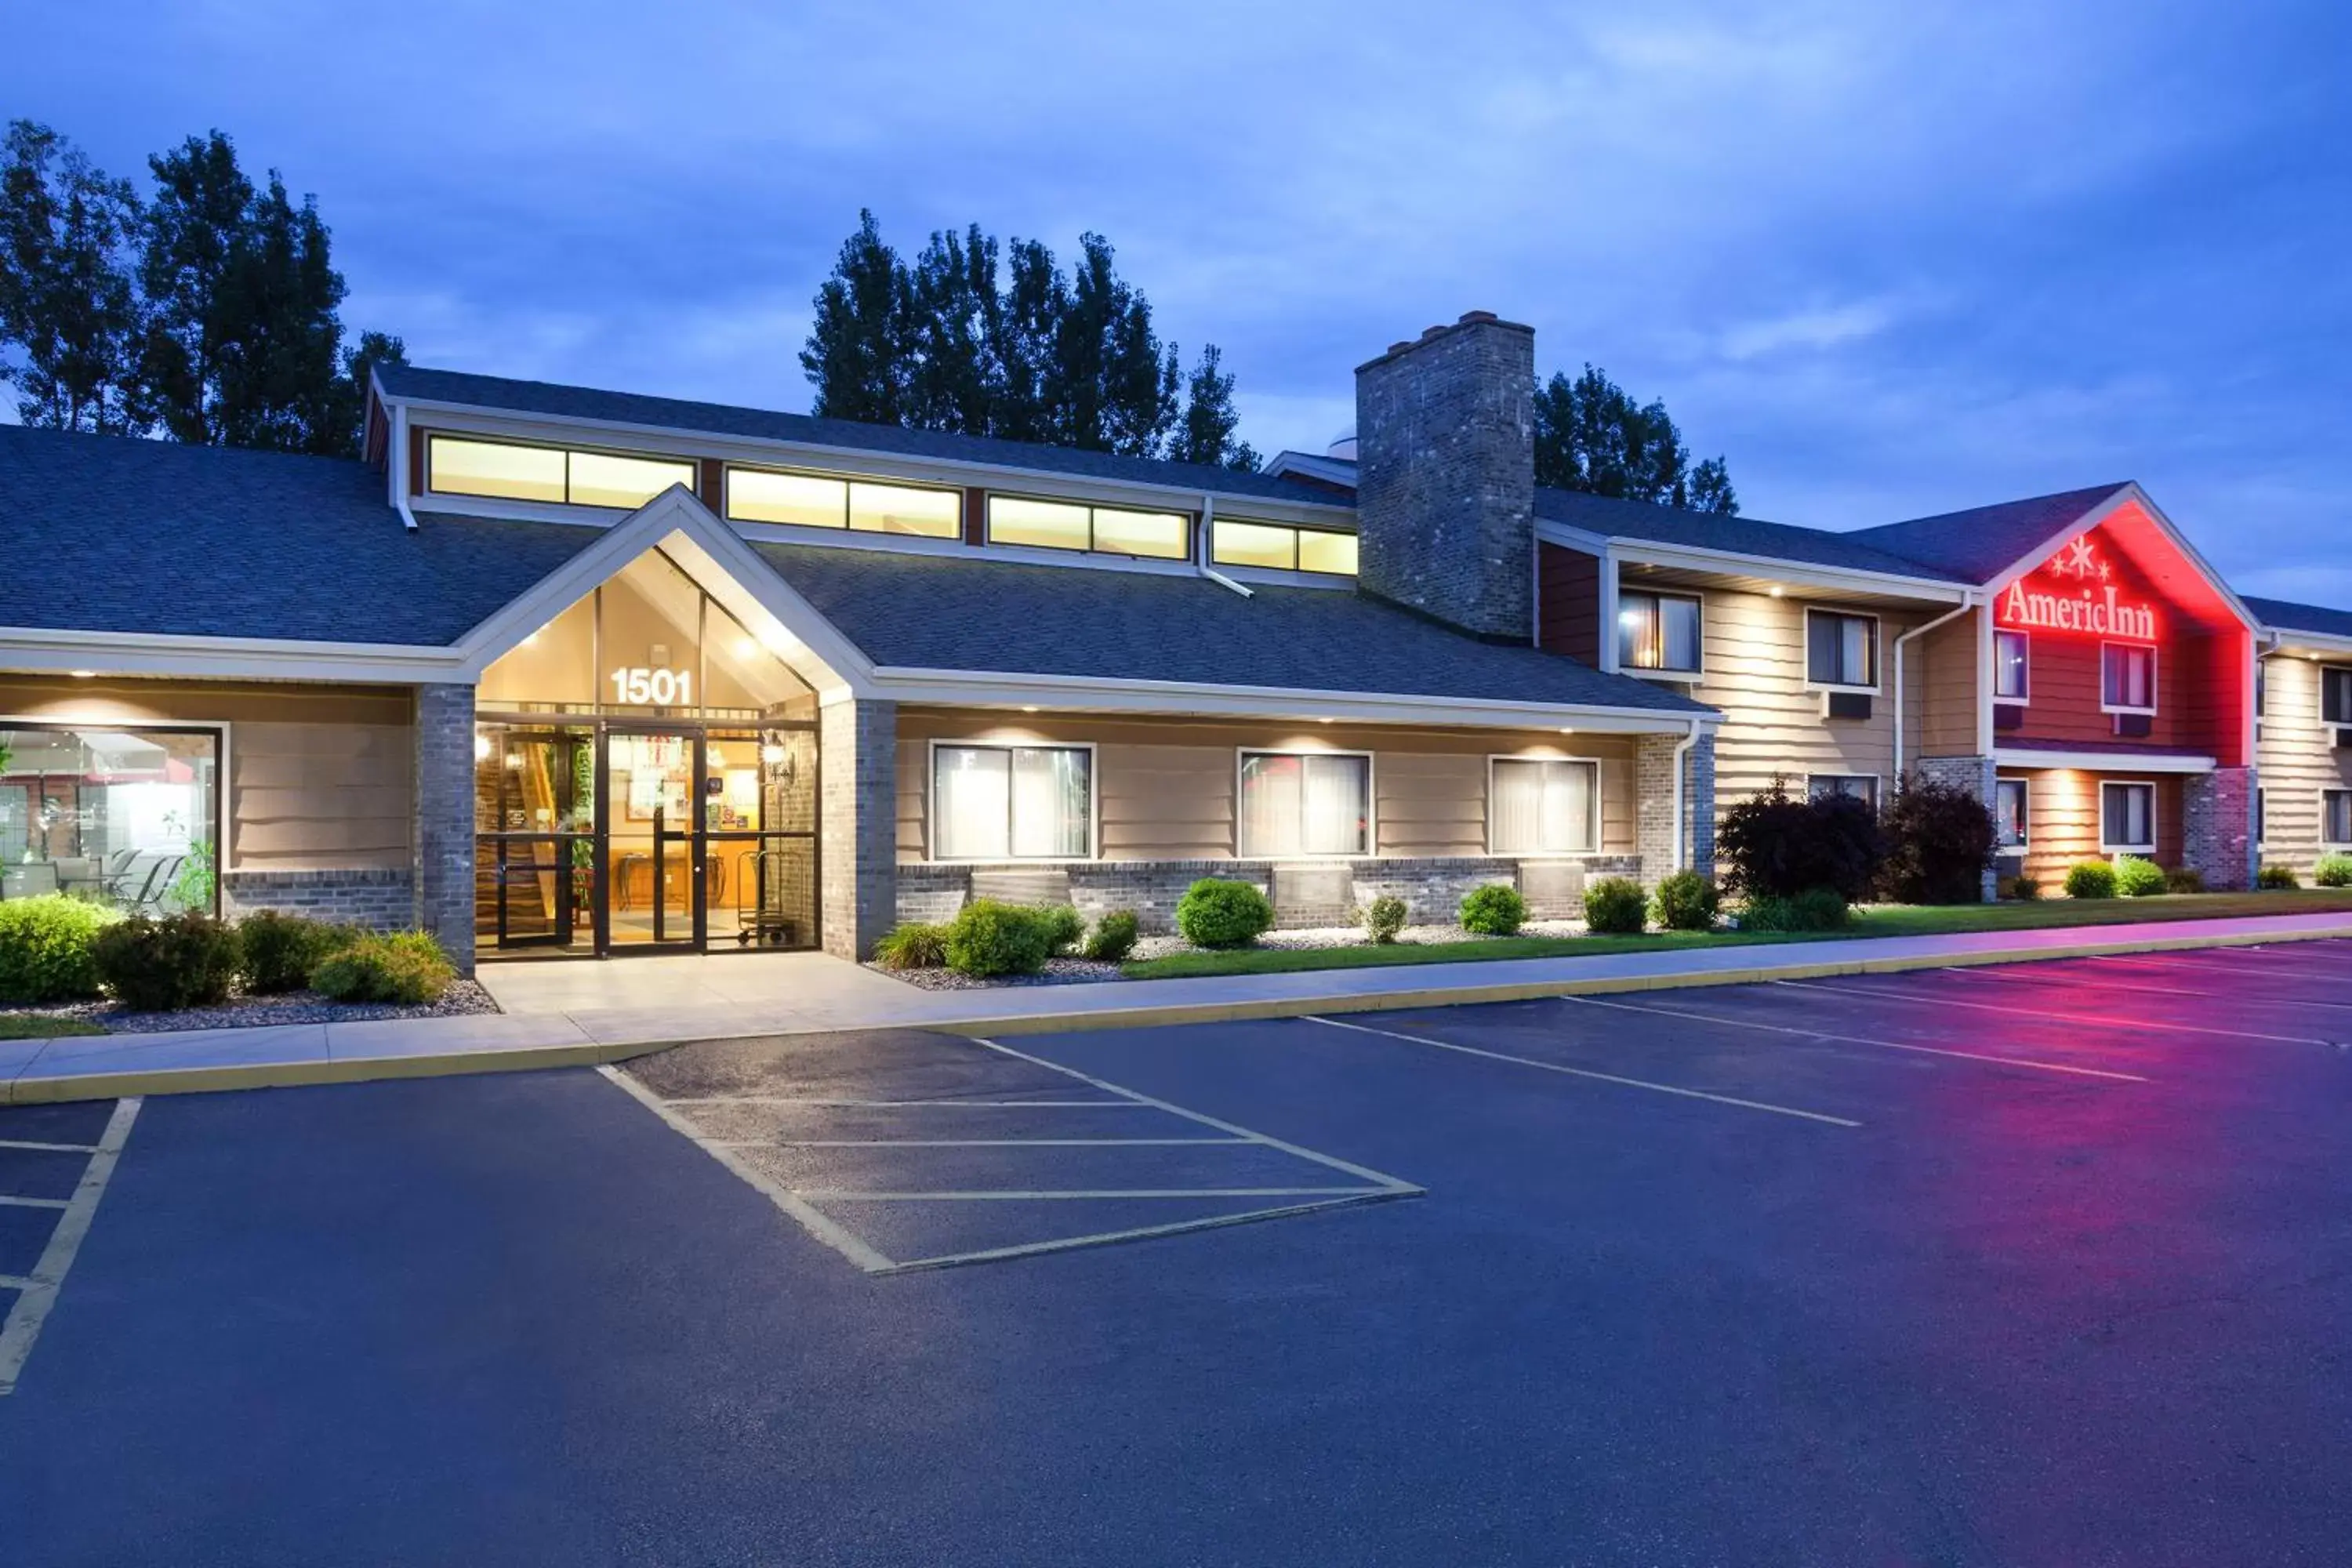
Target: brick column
1654,829
1974,774
858,821
441,858
2216,828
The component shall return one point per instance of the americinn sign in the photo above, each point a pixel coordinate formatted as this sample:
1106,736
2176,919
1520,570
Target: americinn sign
2073,592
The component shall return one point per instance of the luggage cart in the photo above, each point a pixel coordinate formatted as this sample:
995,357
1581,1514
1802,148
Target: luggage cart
758,921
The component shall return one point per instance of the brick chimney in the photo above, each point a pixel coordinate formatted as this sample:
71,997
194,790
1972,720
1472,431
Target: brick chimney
1445,475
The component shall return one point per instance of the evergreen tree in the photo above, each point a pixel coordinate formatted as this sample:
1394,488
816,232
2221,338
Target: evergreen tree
70,305
193,226
857,352
951,308
1023,348
1206,434
1590,436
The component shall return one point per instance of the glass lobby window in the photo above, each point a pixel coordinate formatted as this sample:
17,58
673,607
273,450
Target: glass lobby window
2009,813
1061,525
1295,803
760,495
1544,808
2335,696
902,508
603,478
2127,677
2011,667
1658,631
513,471
2128,816
1280,549
125,818
1841,650
2336,817
1333,553
1011,803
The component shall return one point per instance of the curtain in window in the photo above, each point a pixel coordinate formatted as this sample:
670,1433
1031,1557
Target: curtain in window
2338,804
1543,808
2008,812
1053,810
2127,812
1338,805
2008,655
971,801
1273,792
1678,634
2130,678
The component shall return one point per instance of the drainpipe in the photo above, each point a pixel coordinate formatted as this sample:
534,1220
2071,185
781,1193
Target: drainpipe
1201,550
399,466
1681,826
1966,605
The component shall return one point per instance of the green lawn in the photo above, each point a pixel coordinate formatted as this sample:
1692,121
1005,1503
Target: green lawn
1877,920
43,1027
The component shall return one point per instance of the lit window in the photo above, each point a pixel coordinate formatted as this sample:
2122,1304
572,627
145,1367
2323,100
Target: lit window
601,479
1046,525
901,509
2335,696
1295,804
126,818
1319,551
1854,786
1280,549
2009,813
1011,803
2336,817
757,495
1657,631
511,471
1158,534
2128,816
2262,687
2011,667
1841,650
1544,808
2127,677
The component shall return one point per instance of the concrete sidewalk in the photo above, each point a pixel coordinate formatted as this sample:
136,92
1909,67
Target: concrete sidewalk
579,1014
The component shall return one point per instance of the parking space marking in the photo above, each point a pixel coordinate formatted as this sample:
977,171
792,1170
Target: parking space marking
2047,1018
1989,973
905,1104
1059,1194
979,1143
1587,1073
2066,1067
38,1293
48,1148
2233,991
13,1202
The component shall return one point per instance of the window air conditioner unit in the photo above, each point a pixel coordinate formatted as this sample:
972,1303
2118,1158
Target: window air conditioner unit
2008,716
1846,705
2341,737
2134,726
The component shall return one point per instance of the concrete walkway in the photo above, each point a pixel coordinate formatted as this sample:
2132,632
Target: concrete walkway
570,1013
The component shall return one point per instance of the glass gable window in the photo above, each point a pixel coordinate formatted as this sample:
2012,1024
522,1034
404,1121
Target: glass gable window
1295,804
2335,696
2127,677
1282,548
814,500
1841,650
2009,813
1658,631
2128,816
509,471
1544,808
1111,530
1011,803
125,818
2012,666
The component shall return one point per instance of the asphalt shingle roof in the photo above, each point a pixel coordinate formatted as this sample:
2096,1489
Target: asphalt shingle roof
720,419
930,612
1616,519
2283,614
1980,542
114,534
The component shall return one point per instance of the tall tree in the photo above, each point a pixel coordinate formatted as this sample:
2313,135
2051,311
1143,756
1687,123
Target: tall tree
1207,434
951,310
1113,389
1590,436
1025,348
193,226
856,351
70,305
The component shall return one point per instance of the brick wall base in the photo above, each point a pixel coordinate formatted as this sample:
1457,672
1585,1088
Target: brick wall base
2216,828
379,900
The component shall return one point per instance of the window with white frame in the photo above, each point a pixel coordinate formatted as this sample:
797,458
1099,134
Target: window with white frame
1538,806
1658,631
513,470
1828,786
1011,803
2262,815
1305,803
2336,817
2127,677
2009,812
1841,650
2336,695
2128,816
2012,666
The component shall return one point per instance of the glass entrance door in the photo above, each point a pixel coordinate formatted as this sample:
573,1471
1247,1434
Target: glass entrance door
534,845
759,816
654,896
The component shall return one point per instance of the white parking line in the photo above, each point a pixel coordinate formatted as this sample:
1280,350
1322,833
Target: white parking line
12,1201
48,1148
2066,1067
905,1104
38,1292
980,1143
2047,1018
846,1194
2234,992
1581,1072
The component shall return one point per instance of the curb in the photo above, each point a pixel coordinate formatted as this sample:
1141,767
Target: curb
368,1070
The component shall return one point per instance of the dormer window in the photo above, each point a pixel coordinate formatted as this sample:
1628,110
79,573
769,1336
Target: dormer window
1278,548
1110,531
513,470
861,506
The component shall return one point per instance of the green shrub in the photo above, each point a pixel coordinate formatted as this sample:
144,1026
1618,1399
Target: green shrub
1614,906
915,946
1114,937
2138,878
1065,926
407,967
1492,910
44,945
1815,909
276,952
2275,877
1775,844
1383,917
1939,840
990,938
2333,871
2184,879
2090,879
2023,888
1214,912
1685,901
158,966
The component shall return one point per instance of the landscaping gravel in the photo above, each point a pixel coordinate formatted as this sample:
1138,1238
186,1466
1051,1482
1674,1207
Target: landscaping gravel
294,1007
1079,970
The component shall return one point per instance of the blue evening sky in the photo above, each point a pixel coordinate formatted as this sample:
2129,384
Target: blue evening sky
1889,258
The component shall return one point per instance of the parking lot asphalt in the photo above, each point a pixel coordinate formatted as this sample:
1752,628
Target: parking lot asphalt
2048,1264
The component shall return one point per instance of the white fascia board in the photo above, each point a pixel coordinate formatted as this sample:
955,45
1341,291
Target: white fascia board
672,440
48,651
2099,514
2100,761
1691,558
984,689
2292,644
1331,470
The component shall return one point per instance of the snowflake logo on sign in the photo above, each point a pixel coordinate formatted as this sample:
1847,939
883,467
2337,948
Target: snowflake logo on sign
2079,559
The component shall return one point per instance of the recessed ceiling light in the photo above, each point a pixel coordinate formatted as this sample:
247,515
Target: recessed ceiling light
1567,730
1778,590
1028,708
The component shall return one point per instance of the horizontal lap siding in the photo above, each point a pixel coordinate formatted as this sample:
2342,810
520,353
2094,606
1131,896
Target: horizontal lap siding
1942,668
2062,820
2294,764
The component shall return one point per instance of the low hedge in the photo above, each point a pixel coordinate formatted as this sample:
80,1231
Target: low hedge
44,948
2333,871
1114,937
277,953
915,946
2090,879
989,937
1614,906
407,967
2137,877
1492,910
1383,917
1815,909
1685,901
2184,879
1215,912
2277,876
160,965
